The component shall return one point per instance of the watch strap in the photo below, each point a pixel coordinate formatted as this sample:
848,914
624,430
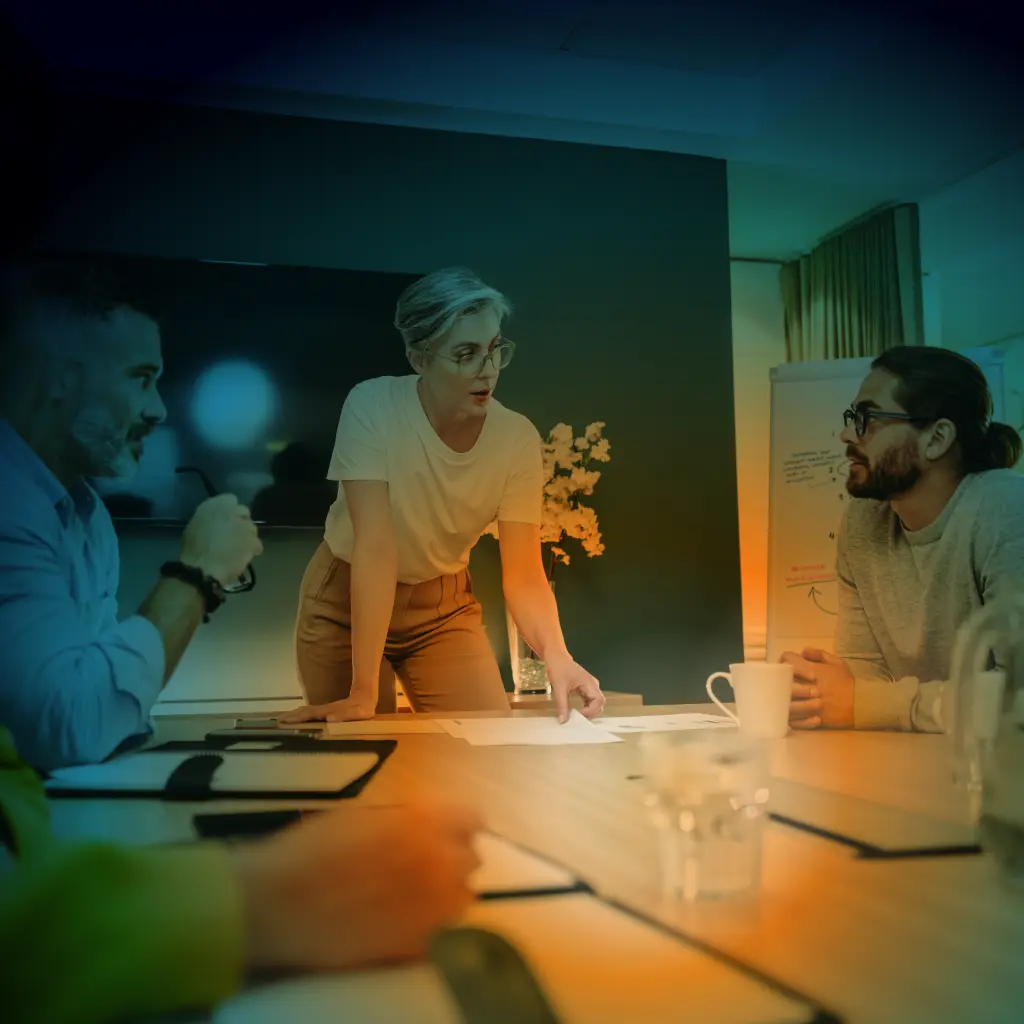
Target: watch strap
212,592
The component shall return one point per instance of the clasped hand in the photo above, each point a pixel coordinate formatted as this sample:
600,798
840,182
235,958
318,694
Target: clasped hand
822,690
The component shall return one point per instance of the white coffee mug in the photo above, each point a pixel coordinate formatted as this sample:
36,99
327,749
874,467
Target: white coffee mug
763,692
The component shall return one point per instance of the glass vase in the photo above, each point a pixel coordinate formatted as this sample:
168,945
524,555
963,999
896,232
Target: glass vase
529,672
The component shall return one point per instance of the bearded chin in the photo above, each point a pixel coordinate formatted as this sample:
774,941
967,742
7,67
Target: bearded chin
894,475
104,448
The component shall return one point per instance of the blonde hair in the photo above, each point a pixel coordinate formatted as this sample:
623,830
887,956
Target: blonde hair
428,309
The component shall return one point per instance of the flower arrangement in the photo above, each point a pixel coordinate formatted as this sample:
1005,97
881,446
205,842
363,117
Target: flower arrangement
568,477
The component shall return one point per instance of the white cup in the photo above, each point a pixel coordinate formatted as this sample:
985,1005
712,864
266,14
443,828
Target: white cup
763,692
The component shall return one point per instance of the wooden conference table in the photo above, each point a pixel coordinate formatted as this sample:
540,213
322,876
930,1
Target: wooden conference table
903,939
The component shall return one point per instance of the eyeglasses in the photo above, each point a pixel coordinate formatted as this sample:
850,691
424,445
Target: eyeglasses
470,364
862,416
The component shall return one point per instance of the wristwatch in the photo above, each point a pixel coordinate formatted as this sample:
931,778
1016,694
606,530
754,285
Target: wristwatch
212,591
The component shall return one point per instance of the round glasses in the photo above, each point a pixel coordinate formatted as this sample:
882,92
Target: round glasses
471,364
860,417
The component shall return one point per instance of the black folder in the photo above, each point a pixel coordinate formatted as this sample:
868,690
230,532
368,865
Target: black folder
195,776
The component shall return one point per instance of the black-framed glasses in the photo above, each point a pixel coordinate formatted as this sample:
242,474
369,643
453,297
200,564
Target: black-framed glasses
471,364
248,578
860,417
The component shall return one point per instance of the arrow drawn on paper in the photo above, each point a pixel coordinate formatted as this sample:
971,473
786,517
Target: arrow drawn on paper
813,595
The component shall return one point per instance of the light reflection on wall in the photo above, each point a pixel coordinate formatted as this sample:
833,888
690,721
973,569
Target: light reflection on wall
233,402
759,343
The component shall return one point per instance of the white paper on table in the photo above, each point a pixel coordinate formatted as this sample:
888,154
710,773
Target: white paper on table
664,723
505,867
280,772
542,731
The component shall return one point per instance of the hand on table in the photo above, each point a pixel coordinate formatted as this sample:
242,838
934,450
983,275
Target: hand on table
351,709
822,690
567,677
356,887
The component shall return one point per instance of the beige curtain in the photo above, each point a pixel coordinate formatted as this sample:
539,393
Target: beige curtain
858,292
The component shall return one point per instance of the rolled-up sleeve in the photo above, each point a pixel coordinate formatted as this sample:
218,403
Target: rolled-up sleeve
71,691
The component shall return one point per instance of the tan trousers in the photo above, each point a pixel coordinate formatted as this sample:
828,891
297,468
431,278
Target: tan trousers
436,642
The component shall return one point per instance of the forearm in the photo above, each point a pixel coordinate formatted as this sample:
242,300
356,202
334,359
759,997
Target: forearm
373,581
906,704
176,609
77,704
134,932
532,604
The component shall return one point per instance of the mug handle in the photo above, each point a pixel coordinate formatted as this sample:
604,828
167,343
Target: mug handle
711,693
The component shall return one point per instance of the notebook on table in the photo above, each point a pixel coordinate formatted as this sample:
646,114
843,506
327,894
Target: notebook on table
233,770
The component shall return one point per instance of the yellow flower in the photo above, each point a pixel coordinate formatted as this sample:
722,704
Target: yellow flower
564,456
584,480
567,478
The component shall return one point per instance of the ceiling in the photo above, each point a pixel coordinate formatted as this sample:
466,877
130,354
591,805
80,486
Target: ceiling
823,111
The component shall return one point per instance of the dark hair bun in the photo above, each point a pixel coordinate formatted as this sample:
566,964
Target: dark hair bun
1003,446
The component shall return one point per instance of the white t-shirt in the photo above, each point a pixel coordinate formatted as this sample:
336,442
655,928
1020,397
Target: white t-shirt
441,500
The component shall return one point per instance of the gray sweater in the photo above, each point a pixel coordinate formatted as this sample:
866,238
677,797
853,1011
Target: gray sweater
903,594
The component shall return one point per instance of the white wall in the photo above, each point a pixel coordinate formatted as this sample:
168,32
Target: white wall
972,253
1014,369
972,249
758,345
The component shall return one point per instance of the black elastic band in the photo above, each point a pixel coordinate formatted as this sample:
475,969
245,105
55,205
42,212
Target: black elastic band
210,590
191,779
7,836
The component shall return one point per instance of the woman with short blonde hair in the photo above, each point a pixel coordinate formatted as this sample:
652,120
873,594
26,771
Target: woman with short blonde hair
424,464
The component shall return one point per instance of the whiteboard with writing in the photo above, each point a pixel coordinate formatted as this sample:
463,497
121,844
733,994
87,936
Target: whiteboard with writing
807,492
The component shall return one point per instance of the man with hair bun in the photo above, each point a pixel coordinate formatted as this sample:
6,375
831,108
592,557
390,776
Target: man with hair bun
936,530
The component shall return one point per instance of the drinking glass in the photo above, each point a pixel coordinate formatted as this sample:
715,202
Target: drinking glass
707,797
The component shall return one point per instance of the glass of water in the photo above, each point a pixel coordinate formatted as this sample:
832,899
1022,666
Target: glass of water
707,796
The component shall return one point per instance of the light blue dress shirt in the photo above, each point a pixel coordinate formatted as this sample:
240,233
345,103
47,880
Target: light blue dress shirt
74,682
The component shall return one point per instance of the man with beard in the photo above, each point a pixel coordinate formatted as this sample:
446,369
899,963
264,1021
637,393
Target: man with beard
129,932
936,530
79,365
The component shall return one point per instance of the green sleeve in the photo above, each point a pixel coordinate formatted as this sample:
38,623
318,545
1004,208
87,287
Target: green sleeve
96,933
26,817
